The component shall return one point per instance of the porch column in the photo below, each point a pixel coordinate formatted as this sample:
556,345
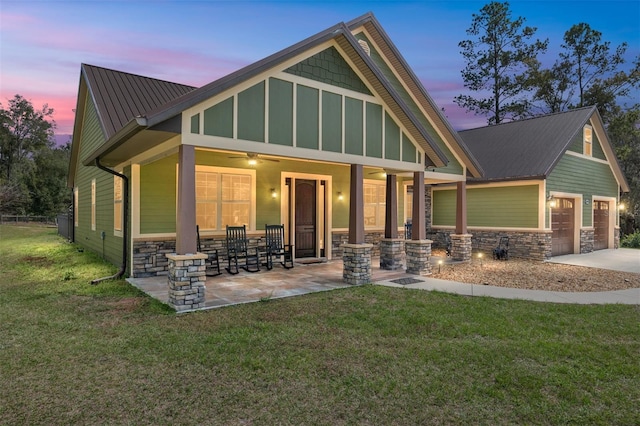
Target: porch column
356,257
186,214
391,208
461,240
418,249
391,247
356,205
417,215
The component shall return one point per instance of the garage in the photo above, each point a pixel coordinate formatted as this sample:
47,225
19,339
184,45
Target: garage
600,225
562,227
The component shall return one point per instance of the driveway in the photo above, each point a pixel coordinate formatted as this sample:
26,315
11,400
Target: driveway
624,259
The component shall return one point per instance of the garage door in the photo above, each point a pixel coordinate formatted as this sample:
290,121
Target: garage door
600,225
562,225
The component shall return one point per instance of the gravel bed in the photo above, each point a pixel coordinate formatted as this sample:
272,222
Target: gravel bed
532,275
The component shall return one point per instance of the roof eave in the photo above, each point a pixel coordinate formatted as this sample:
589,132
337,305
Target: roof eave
133,127
473,165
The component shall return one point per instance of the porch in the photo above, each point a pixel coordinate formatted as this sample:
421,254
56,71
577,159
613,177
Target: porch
245,287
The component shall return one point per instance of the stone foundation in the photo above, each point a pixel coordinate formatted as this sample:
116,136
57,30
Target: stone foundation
461,247
150,255
616,238
586,240
534,245
418,253
391,253
186,279
340,238
356,260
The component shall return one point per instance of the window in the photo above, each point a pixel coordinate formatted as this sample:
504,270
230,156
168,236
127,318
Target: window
223,198
117,204
408,203
374,204
93,205
75,206
588,140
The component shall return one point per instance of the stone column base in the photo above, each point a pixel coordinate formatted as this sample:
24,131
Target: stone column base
186,281
461,247
391,253
356,260
418,256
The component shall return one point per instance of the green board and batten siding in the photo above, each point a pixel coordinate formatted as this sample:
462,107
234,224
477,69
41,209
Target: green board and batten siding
111,247
317,112
280,112
454,166
518,207
572,172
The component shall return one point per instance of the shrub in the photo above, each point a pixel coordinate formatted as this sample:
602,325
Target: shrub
631,240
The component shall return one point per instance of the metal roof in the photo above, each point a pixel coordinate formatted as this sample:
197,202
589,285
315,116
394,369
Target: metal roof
525,149
120,96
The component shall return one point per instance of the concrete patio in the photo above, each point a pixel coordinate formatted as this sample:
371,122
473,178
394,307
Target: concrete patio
245,287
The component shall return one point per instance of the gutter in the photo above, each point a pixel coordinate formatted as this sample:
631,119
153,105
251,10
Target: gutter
125,214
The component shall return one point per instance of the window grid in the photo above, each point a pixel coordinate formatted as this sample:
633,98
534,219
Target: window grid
374,205
222,199
117,204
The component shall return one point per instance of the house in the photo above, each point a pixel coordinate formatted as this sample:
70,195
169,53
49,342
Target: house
550,183
334,137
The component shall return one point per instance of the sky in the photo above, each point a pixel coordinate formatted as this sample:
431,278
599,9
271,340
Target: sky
44,42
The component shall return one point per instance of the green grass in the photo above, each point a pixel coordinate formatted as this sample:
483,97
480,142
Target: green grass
73,353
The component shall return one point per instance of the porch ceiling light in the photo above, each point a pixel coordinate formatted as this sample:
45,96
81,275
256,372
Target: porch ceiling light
252,161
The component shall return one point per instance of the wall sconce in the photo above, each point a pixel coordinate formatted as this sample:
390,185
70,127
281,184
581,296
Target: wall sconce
621,207
274,194
340,196
552,201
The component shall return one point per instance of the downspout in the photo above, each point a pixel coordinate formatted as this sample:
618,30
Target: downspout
125,214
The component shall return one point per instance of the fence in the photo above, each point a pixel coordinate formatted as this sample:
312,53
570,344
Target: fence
65,225
12,218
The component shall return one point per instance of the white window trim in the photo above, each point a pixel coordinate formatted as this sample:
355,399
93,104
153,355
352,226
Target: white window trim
76,203
376,183
118,206
93,204
585,142
230,170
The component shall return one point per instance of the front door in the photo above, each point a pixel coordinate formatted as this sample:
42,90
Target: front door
305,218
562,227
600,225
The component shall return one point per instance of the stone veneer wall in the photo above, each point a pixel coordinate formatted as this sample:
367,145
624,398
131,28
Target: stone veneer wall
616,238
150,255
586,240
339,238
534,245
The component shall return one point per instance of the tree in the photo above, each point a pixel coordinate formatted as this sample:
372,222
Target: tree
589,59
624,132
552,88
498,60
32,170
23,132
46,181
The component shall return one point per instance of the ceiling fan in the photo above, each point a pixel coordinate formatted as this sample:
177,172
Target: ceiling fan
253,158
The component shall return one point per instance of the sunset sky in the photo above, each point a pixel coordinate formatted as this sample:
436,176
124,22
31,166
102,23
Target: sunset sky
43,43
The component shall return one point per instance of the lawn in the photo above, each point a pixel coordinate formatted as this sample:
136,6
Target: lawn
73,353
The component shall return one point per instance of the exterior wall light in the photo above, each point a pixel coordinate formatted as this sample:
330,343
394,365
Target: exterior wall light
552,201
340,196
621,207
274,194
